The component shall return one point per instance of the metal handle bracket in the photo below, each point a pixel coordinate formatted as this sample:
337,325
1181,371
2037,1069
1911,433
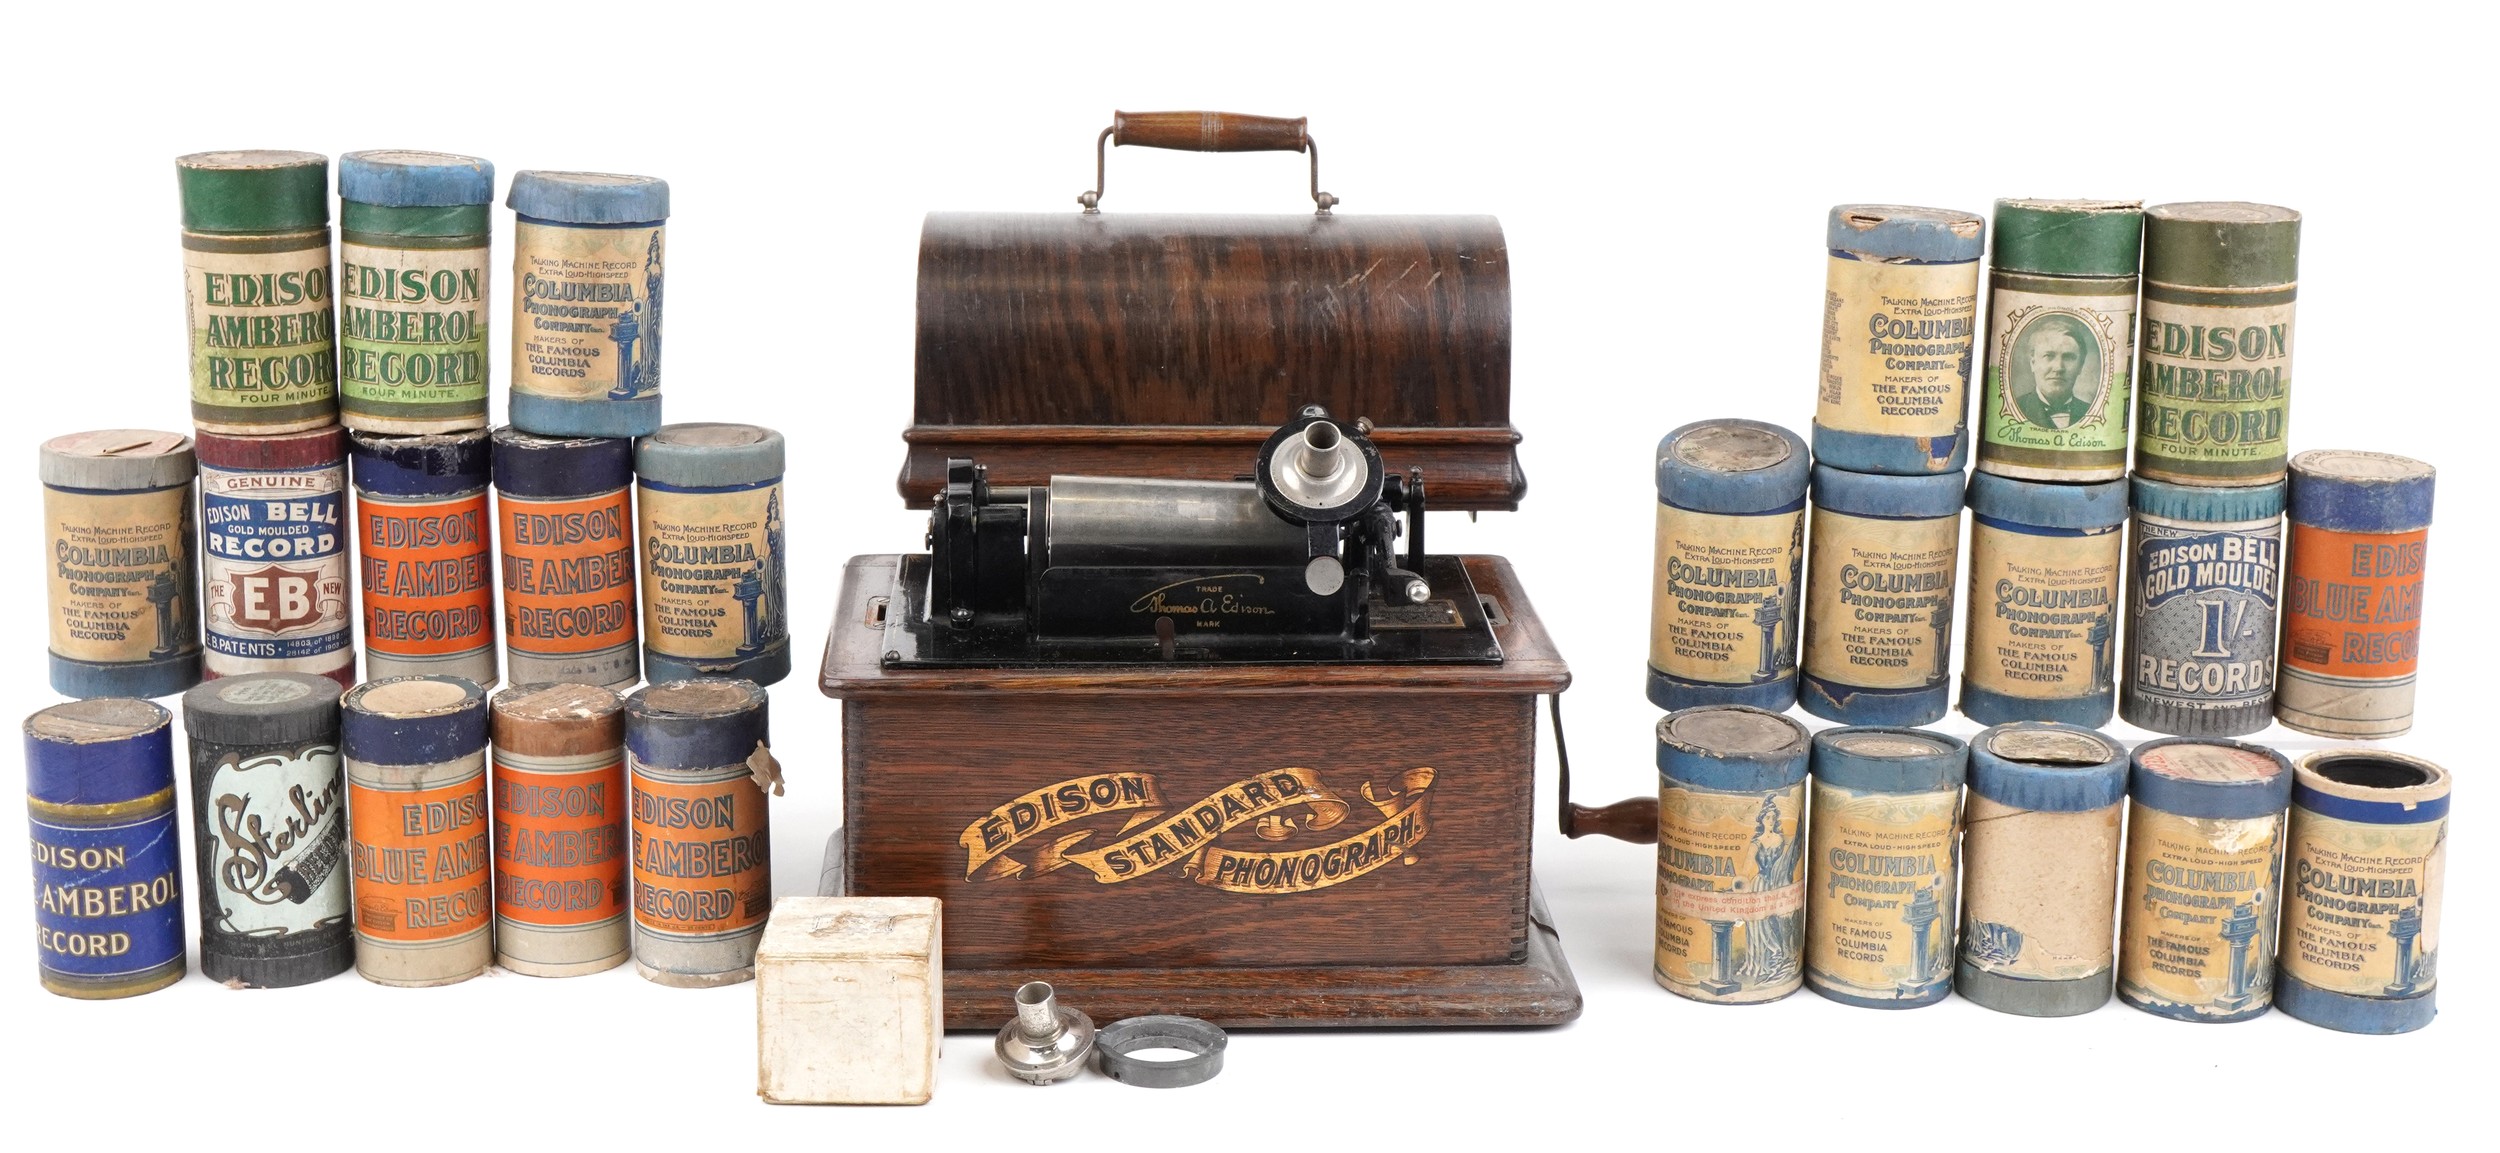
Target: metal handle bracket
1205,132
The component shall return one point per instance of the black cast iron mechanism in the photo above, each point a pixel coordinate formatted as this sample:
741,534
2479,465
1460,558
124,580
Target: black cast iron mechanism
1297,562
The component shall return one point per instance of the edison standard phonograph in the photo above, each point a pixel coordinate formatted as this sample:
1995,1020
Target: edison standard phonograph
1177,711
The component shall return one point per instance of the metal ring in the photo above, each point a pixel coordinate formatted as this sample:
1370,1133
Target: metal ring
1204,1043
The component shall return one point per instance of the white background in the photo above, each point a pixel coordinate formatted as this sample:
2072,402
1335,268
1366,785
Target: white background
1663,180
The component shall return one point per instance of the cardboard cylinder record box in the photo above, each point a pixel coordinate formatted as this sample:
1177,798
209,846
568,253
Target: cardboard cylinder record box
2363,872
2204,579
107,854
2040,869
589,253
2202,903
850,1005
565,520
2053,400
256,282
2044,592
122,577
1884,833
269,812
427,569
697,762
1900,324
1730,566
413,289
274,555
1731,854
419,829
2214,383
1879,597
715,586
561,888
2352,593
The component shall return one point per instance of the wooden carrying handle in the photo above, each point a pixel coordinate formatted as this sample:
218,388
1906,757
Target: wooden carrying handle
1210,131
1633,819
1206,132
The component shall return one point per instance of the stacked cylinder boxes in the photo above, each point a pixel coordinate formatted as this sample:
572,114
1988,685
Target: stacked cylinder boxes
258,276
364,821
1891,436
2154,594
2215,378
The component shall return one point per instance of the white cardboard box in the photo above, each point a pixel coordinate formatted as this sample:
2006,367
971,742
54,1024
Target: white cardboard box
849,1001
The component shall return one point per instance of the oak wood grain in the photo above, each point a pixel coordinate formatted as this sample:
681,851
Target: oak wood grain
1113,321
1539,989
929,753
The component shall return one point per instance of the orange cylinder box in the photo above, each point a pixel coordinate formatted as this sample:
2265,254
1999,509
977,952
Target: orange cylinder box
2352,593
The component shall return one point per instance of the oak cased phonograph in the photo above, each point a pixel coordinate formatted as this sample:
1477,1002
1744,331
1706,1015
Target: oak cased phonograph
1177,712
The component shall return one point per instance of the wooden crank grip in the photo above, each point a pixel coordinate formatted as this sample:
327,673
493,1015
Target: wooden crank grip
1210,131
1633,819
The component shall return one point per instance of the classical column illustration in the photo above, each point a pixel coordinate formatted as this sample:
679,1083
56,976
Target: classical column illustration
2098,636
166,594
2405,928
1769,616
749,589
1921,915
2239,929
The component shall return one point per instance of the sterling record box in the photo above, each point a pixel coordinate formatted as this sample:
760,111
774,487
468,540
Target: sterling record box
1177,712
